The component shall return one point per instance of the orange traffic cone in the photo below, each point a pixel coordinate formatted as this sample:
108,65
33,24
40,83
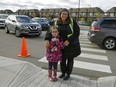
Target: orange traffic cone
23,51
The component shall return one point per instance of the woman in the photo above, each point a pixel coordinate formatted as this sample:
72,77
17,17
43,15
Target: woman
70,31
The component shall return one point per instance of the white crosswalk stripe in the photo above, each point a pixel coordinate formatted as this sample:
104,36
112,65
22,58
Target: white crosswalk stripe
93,50
93,56
88,45
89,51
92,66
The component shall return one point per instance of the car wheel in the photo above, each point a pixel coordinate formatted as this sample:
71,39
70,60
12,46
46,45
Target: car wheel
17,33
109,43
6,29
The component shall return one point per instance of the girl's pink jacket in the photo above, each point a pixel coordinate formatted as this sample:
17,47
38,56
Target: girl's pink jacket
54,53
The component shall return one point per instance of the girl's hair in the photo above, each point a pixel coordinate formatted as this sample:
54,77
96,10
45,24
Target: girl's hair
53,27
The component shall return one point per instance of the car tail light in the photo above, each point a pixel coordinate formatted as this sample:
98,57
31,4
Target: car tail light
95,29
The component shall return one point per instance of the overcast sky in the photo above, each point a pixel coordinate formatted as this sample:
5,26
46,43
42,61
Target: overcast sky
38,4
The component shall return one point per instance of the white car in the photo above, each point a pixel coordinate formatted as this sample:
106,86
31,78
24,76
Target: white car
2,19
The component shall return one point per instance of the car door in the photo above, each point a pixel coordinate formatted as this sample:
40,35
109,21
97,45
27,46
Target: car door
12,23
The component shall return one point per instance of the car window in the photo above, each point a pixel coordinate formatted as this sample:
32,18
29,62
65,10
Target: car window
23,19
40,20
115,24
107,24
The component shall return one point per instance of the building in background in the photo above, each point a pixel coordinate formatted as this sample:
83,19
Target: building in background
7,11
87,14
111,12
29,12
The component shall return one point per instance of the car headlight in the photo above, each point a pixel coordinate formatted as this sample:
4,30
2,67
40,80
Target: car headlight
39,26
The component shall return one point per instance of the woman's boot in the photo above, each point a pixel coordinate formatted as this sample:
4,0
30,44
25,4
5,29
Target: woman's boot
62,75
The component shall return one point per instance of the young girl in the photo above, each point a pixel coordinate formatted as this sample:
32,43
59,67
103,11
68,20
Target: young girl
54,53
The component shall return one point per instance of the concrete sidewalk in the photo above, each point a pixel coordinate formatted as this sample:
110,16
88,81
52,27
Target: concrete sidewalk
16,73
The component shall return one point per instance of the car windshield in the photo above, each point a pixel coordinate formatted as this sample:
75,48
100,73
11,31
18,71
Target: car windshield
23,19
40,20
3,16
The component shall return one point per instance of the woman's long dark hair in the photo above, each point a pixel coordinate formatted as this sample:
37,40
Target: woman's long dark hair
59,17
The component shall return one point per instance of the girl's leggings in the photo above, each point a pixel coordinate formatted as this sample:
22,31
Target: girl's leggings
53,65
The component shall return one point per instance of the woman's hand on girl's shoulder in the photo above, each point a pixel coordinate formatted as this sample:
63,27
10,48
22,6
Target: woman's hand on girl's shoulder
66,43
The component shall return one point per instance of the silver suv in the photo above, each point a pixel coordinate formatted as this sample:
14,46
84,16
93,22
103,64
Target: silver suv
103,33
21,25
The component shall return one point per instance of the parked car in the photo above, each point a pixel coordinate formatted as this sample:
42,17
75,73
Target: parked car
103,33
2,19
22,24
82,23
43,22
50,21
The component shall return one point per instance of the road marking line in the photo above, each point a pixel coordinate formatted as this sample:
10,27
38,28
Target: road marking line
86,65
92,66
43,59
85,42
93,56
89,45
93,50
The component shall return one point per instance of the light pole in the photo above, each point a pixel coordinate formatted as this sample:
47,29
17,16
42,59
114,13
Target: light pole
89,9
90,18
78,9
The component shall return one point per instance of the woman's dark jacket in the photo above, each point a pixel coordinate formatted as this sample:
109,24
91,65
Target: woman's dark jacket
73,49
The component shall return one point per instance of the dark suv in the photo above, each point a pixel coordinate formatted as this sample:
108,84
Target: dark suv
43,22
103,33
22,24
